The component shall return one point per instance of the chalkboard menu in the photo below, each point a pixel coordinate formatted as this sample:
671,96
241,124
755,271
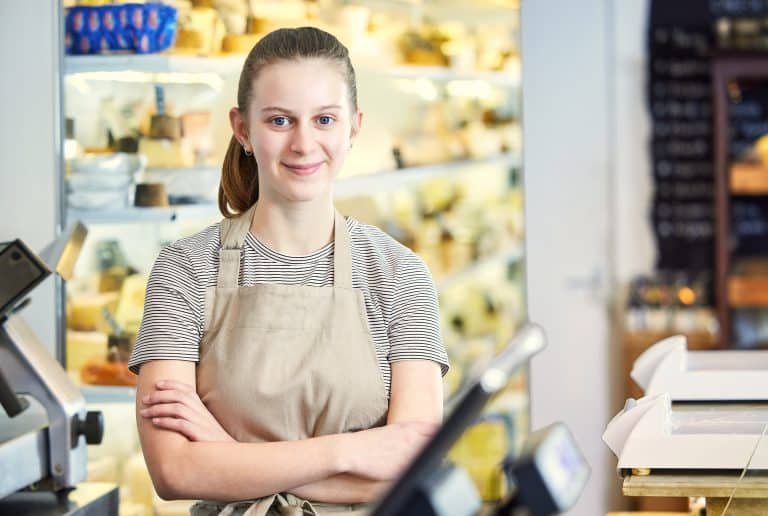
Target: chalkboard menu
682,37
680,99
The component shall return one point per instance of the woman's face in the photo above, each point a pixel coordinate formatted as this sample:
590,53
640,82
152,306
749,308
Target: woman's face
300,126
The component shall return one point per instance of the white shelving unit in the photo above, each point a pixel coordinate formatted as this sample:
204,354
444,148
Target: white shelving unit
183,69
345,187
139,227
438,73
232,64
137,215
153,63
399,178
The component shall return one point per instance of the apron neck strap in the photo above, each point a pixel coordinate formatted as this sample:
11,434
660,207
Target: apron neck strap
342,253
234,231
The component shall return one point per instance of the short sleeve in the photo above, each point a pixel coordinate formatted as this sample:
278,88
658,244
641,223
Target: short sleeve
171,327
414,327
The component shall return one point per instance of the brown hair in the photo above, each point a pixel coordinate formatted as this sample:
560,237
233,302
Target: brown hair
239,186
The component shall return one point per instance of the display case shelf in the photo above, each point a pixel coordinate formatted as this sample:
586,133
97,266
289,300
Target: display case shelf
351,186
232,64
440,73
108,393
365,184
138,215
153,63
505,256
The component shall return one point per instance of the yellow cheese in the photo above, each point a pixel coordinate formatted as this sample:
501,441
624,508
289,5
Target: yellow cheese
84,311
130,308
480,451
189,40
239,43
761,147
167,153
201,30
136,487
84,345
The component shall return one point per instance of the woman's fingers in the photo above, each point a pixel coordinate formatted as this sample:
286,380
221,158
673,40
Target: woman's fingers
195,409
174,384
176,396
177,417
176,410
182,426
169,396
176,406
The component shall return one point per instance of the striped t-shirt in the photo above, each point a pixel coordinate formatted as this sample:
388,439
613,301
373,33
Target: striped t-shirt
400,296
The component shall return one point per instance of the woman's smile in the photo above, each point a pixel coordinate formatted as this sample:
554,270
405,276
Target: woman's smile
303,169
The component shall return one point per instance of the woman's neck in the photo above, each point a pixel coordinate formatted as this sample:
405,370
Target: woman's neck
297,229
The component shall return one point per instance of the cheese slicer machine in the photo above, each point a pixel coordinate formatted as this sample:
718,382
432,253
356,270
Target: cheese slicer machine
44,427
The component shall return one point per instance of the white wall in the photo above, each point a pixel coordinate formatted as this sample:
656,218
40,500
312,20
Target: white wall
588,187
634,246
29,137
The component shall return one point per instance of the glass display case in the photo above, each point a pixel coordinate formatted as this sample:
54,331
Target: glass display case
437,165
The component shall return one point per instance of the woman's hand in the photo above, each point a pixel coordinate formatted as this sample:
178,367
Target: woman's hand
176,406
383,453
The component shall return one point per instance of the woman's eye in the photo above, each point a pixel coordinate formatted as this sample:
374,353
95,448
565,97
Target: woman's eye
325,120
280,121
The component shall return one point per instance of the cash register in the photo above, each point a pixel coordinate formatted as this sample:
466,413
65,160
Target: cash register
44,424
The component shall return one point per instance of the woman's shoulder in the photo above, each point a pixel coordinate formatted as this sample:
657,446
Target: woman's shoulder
193,250
205,238
377,248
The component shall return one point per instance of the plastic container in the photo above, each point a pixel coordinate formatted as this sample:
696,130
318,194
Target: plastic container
138,28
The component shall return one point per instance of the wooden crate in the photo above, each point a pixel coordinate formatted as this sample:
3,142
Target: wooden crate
748,284
748,179
748,291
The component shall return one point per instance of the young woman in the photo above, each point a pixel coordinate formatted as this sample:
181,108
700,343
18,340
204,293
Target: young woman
288,356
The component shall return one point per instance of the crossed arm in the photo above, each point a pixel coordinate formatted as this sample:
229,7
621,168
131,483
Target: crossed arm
189,455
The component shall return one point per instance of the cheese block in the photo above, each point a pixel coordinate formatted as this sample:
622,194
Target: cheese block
239,43
480,451
165,127
189,40
131,305
84,345
103,469
137,484
84,311
201,31
167,153
151,194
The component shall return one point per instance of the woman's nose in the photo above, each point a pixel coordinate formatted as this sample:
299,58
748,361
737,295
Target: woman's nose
302,139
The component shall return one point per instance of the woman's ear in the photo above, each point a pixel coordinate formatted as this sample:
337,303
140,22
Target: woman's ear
357,122
239,127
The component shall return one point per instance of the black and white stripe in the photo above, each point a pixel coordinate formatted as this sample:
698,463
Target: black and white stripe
400,297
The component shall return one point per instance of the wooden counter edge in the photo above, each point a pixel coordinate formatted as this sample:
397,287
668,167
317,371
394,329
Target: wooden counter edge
753,485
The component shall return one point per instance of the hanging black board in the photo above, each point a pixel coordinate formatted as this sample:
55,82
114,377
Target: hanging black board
681,40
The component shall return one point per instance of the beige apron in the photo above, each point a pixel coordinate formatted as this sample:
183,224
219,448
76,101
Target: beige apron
286,362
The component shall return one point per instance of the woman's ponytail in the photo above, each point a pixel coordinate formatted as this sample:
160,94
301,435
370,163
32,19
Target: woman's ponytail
239,186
